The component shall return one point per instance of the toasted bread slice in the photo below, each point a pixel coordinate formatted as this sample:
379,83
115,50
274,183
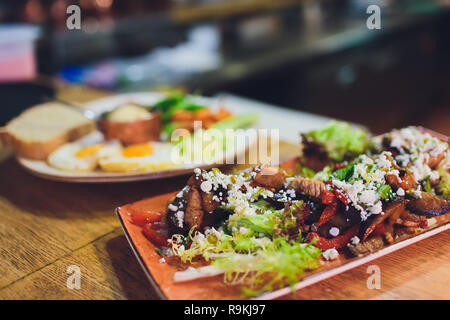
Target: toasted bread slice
41,129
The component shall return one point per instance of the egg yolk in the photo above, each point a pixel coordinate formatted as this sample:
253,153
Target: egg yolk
138,150
88,151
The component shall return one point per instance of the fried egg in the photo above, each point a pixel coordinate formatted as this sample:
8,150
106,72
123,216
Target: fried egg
80,157
142,157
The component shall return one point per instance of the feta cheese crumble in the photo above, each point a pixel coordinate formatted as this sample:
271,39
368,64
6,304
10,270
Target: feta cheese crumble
334,231
330,254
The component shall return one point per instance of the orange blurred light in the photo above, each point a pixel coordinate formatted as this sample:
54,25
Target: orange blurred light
104,3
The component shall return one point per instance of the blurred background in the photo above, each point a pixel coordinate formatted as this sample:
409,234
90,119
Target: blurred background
311,55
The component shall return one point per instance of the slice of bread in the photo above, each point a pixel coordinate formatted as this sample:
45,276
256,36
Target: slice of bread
41,129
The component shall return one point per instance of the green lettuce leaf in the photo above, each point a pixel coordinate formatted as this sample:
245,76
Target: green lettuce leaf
444,185
339,139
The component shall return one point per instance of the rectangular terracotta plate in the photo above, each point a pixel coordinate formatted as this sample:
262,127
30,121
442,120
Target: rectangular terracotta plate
160,274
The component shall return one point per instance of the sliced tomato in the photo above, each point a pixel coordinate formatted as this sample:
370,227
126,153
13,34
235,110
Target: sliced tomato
154,236
141,218
328,197
327,214
337,242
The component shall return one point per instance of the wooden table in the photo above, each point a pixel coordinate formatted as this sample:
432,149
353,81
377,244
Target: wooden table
48,226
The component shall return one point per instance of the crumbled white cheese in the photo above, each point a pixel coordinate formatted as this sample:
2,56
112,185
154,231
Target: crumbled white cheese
355,240
206,186
330,254
416,148
172,207
368,197
180,218
383,162
334,231
291,193
400,192
431,221
376,208
434,175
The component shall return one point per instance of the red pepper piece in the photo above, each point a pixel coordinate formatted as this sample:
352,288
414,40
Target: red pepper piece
379,229
423,222
327,214
154,236
328,197
337,242
341,196
291,166
141,218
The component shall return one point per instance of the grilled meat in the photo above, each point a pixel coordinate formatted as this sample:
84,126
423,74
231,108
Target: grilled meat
194,211
270,177
368,246
392,212
307,186
429,205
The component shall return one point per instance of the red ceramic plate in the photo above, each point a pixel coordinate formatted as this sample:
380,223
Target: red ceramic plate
161,274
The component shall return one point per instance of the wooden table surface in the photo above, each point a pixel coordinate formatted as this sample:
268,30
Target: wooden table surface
48,226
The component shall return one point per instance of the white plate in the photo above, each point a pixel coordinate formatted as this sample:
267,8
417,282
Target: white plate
43,170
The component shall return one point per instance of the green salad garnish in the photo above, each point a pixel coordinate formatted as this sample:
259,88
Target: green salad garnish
444,185
340,139
251,251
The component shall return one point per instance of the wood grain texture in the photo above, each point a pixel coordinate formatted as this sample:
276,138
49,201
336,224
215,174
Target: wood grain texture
47,226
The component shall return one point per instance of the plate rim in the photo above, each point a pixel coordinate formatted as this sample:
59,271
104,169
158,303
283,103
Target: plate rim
139,258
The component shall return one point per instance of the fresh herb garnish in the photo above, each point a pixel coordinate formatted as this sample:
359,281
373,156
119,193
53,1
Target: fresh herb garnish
384,191
345,174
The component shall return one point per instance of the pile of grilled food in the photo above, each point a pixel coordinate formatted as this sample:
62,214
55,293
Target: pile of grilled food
348,193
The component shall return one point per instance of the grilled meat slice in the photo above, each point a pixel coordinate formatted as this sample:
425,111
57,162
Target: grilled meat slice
429,205
389,234
434,161
407,181
368,246
208,203
193,215
172,218
307,186
393,212
270,177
